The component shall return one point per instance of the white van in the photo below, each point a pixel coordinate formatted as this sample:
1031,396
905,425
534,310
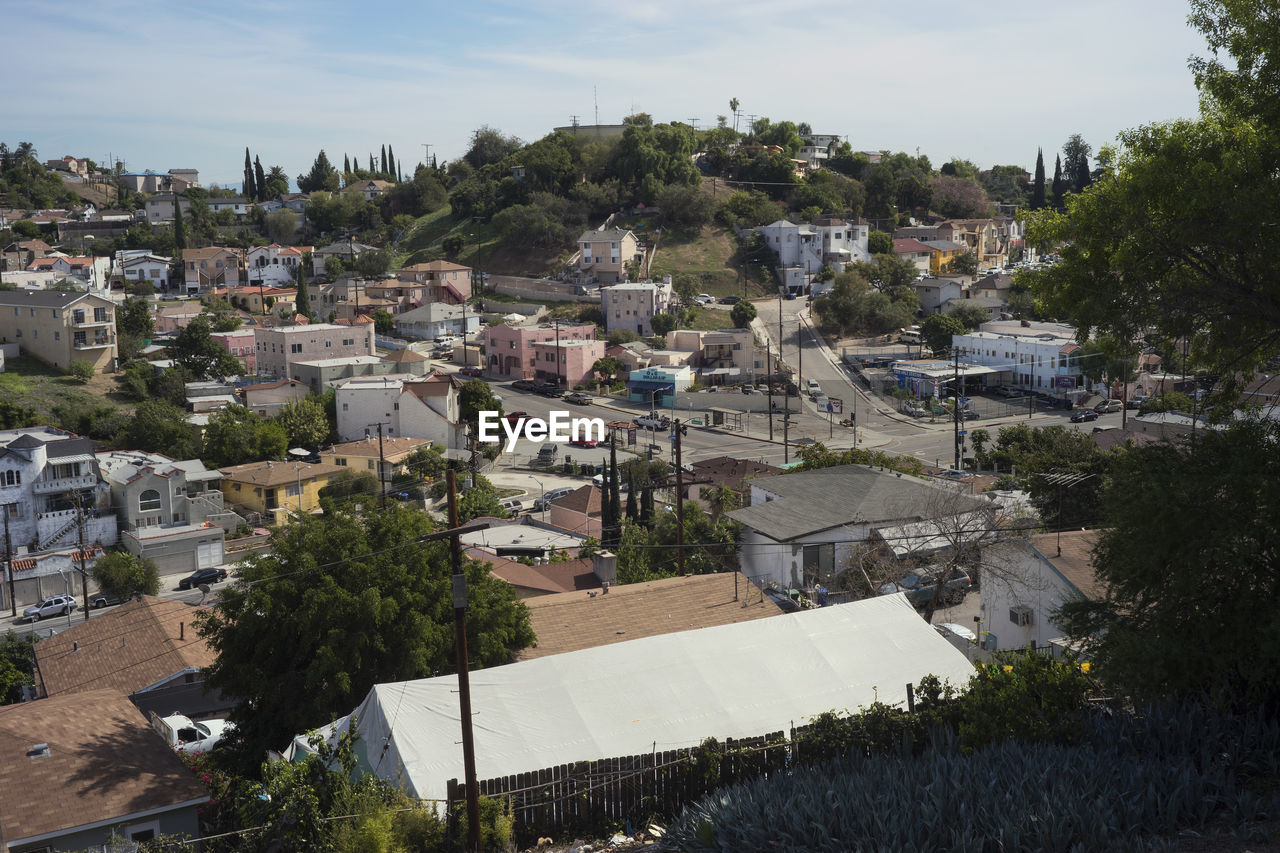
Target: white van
910,337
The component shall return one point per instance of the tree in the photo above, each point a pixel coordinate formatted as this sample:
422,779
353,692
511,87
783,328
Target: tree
1182,591
887,271
1037,193
481,500
197,353
880,243
452,245
742,313
971,316
160,426
663,323
391,164
348,487
14,415
81,370
383,170
488,145
259,181
686,204
321,177
383,322
17,665
277,183
965,263
343,602
302,299
281,225
1076,162
937,330
475,397
721,499
250,190
958,198
1059,185
236,435
133,318
122,575
179,229
373,263
305,422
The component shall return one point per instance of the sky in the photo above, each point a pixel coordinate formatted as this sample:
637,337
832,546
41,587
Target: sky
164,85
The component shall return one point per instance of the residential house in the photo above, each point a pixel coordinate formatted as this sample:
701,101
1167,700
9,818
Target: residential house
370,189
510,349
942,254
567,363
238,207
581,511
993,305
982,236
436,319
160,668
58,328
383,456
327,296
274,264
1030,581
325,373
135,265
168,511
173,181
240,343
74,165
731,472
44,473
268,398
33,280
80,770
800,528
276,489
804,249
926,233
524,536
1171,425
280,347
20,254
633,305
541,578
722,357
213,267
171,319
936,292
446,281
405,295
816,149
346,252
37,576
911,249
160,208
262,300
93,273
604,255
407,405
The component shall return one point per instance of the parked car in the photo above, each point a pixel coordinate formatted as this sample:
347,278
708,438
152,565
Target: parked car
202,576
749,389
956,474
546,500
512,505
813,386
546,455
599,481
102,599
54,605
730,300
969,415
921,585
653,421
548,389
1108,406
579,399
524,385
909,408
1136,401
514,418
473,372
1083,416
704,299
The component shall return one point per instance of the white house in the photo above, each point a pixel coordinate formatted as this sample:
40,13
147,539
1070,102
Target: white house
275,264
436,319
935,292
134,265
406,405
800,528
805,248
238,206
1041,357
633,305
1034,579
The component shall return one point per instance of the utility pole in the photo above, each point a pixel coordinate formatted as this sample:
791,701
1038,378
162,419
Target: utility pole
464,681
8,562
955,407
557,352
768,366
679,431
382,468
84,575
786,422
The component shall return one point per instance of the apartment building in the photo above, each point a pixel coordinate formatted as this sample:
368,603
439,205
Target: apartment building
605,254
449,282
633,305
279,347
509,350
275,264
59,328
406,405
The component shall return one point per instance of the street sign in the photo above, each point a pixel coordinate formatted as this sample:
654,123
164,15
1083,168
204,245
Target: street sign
964,432
697,422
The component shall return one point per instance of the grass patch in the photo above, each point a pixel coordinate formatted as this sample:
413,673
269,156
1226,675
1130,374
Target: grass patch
709,320
35,384
711,254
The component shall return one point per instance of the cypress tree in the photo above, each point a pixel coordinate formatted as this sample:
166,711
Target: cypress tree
372,169
179,227
346,166
633,513
302,301
1059,186
615,505
384,160
259,179
646,507
391,164
248,174
1037,191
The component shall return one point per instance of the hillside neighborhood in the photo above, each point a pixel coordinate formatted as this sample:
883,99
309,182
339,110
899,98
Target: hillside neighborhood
874,466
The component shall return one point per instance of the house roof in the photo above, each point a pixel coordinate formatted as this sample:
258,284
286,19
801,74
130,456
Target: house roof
104,763
585,499
278,473
126,649
435,385
43,298
943,245
902,245
1075,563
612,235
434,266
207,253
564,576
569,621
404,355
811,501
730,471
390,446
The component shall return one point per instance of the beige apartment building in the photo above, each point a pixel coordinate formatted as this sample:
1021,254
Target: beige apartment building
59,328
279,347
605,254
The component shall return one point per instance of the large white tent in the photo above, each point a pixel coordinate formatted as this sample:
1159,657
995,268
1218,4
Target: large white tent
658,693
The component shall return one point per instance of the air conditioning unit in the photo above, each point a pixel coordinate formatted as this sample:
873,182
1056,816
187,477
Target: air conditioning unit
1021,615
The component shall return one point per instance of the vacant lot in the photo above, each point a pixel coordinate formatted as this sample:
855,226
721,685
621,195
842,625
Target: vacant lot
710,254
30,383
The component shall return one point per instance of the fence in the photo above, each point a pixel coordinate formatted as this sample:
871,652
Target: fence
591,796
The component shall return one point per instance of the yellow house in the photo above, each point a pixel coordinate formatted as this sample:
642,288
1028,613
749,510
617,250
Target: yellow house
942,253
276,489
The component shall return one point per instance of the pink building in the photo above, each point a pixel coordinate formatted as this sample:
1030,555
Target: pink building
509,350
277,348
173,318
576,360
240,343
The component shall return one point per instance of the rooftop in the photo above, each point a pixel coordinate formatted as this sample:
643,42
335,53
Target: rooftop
521,536
279,473
1075,563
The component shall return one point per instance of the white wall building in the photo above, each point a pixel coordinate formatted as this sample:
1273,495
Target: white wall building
406,405
633,305
1031,580
1041,357
278,347
805,248
436,319
274,264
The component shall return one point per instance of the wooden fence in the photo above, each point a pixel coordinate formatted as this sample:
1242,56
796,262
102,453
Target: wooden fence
591,796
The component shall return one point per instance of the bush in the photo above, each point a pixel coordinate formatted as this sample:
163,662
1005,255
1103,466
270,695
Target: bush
80,370
121,574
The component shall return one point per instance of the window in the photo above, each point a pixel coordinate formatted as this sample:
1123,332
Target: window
344,407
10,478
291,491
295,348
100,314
328,343
77,316
340,461
79,339
149,501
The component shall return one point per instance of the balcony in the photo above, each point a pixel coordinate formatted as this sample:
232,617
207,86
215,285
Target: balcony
64,484
99,342
89,323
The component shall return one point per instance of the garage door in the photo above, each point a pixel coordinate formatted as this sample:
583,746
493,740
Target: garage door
208,554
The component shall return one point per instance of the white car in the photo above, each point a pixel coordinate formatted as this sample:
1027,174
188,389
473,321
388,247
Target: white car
54,605
704,299
188,736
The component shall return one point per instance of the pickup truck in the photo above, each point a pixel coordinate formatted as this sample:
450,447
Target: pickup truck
186,735
919,587
653,422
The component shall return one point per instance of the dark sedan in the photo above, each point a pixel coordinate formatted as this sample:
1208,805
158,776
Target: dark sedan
201,577
1084,415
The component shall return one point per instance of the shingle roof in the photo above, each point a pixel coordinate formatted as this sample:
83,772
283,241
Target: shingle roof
1075,563
730,471
570,621
104,762
127,649
909,244
41,298
278,473
585,499
565,576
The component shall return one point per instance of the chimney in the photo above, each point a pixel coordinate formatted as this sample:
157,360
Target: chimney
182,630
605,566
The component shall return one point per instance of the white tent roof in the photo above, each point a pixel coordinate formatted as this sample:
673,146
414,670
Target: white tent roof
665,692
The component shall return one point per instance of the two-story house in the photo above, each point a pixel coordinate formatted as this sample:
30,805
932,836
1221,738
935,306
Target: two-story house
274,264
238,207
347,252
19,255
135,265
723,356
169,511
804,249
509,350
277,489
160,208
406,405
212,267
436,319
59,328
371,189
633,305
446,281
604,255
278,347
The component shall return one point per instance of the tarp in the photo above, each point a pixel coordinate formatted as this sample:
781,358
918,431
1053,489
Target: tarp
657,693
